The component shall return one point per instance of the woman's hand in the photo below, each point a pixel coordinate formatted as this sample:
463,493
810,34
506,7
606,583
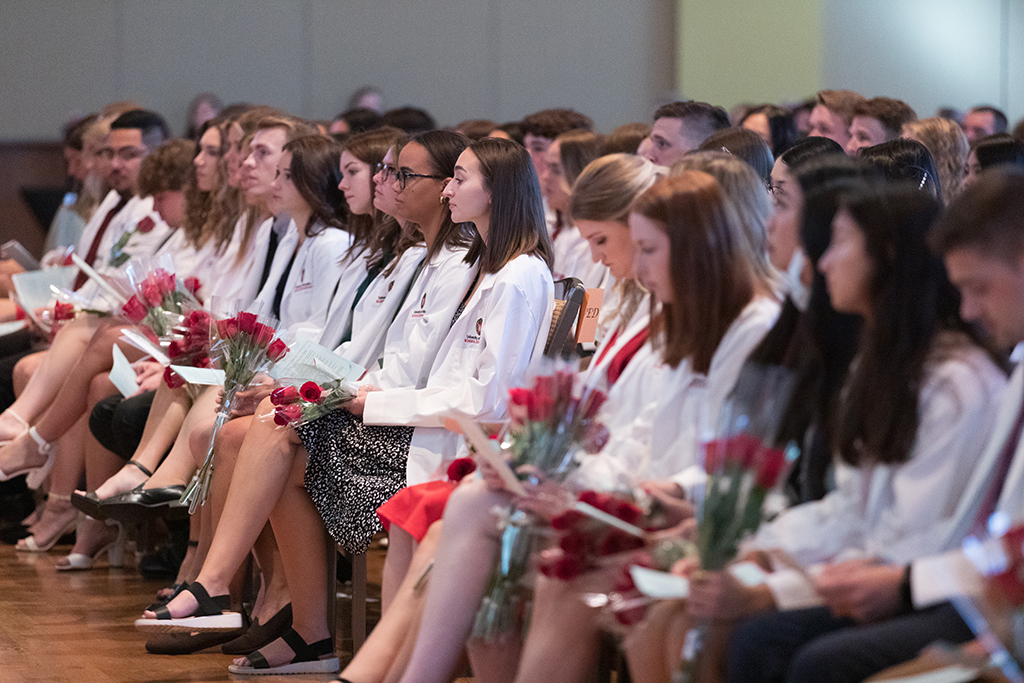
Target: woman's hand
677,512
358,404
719,595
148,375
247,399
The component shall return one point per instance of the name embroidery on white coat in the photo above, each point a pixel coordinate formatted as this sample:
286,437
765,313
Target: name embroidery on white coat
475,338
380,299
422,310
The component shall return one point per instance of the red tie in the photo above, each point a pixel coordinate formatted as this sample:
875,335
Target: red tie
90,257
995,487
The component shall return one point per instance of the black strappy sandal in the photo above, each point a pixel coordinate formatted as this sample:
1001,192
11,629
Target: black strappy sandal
307,659
213,614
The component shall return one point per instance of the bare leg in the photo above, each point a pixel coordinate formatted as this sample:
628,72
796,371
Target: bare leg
263,466
301,536
165,419
178,466
383,649
465,552
401,547
654,645
48,378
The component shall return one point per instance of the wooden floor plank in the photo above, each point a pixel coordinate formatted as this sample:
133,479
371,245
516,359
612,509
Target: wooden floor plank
78,627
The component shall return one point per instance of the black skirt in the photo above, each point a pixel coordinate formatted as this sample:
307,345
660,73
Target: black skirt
352,470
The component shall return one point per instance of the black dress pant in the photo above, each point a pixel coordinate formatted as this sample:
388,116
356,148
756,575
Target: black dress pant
118,423
812,646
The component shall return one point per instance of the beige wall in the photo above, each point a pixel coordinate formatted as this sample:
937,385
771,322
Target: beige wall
460,59
931,53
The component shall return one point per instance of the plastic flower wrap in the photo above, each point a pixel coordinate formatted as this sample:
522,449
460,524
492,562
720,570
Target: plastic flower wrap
157,300
298,405
557,421
189,345
743,465
244,346
997,615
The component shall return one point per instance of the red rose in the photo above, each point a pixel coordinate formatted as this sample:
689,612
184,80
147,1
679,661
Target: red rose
459,468
563,383
174,350
201,361
134,309
740,449
286,415
247,322
277,350
145,225
172,379
227,328
192,284
199,319
772,463
62,311
542,399
567,520
519,396
311,392
619,542
568,567
194,342
152,293
626,511
165,280
263,334
284,396
574,543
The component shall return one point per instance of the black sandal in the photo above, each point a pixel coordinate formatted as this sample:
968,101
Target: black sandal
213,614
307,659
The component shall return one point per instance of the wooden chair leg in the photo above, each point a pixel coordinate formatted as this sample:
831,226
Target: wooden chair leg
358,601
332,586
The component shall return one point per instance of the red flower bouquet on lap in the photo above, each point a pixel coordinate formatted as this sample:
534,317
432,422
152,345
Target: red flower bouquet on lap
158,301
244,346
743,465
295,406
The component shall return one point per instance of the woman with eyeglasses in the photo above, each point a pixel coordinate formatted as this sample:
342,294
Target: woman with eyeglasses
369,456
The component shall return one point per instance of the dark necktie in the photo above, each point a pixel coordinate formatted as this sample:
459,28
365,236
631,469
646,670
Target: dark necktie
1002,467
90,256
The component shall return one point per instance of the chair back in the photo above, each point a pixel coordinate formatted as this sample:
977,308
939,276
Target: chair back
569,296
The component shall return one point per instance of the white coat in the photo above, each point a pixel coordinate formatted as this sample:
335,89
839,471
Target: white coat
572,258
308,289
240,280
892,511
487,351
339,315
422,323
375,311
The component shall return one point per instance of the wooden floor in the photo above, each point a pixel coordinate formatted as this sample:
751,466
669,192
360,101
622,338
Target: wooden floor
62,627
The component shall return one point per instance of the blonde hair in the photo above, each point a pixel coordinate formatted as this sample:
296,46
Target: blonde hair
949,148
605,191
747,202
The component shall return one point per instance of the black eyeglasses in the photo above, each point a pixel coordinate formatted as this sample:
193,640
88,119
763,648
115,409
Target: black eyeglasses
403,177
387,170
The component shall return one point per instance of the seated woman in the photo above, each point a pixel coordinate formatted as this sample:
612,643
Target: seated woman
682,240
918,397
599,206
422,159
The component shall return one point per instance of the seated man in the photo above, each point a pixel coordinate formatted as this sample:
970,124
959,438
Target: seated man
832,115
877,120
679,128
983,121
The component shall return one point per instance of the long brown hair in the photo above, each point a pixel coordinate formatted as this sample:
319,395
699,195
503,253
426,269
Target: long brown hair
517,212
713,278
370,148
315,171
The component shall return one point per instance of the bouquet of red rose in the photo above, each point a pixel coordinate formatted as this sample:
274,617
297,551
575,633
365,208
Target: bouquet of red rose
190,346
743,466
557,422
298,405
55,317
158,300
244,346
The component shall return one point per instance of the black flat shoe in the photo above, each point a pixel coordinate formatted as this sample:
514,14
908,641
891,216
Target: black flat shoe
89,504
187,643
259,634
143,503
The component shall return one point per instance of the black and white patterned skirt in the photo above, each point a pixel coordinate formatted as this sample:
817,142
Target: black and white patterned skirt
352,470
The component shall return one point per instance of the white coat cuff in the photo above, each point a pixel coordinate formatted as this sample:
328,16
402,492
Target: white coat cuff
792,590
938,578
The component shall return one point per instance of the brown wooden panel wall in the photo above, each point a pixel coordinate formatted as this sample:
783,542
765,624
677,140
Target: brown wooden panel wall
26,164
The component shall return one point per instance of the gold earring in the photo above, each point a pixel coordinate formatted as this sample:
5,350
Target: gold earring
443,199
